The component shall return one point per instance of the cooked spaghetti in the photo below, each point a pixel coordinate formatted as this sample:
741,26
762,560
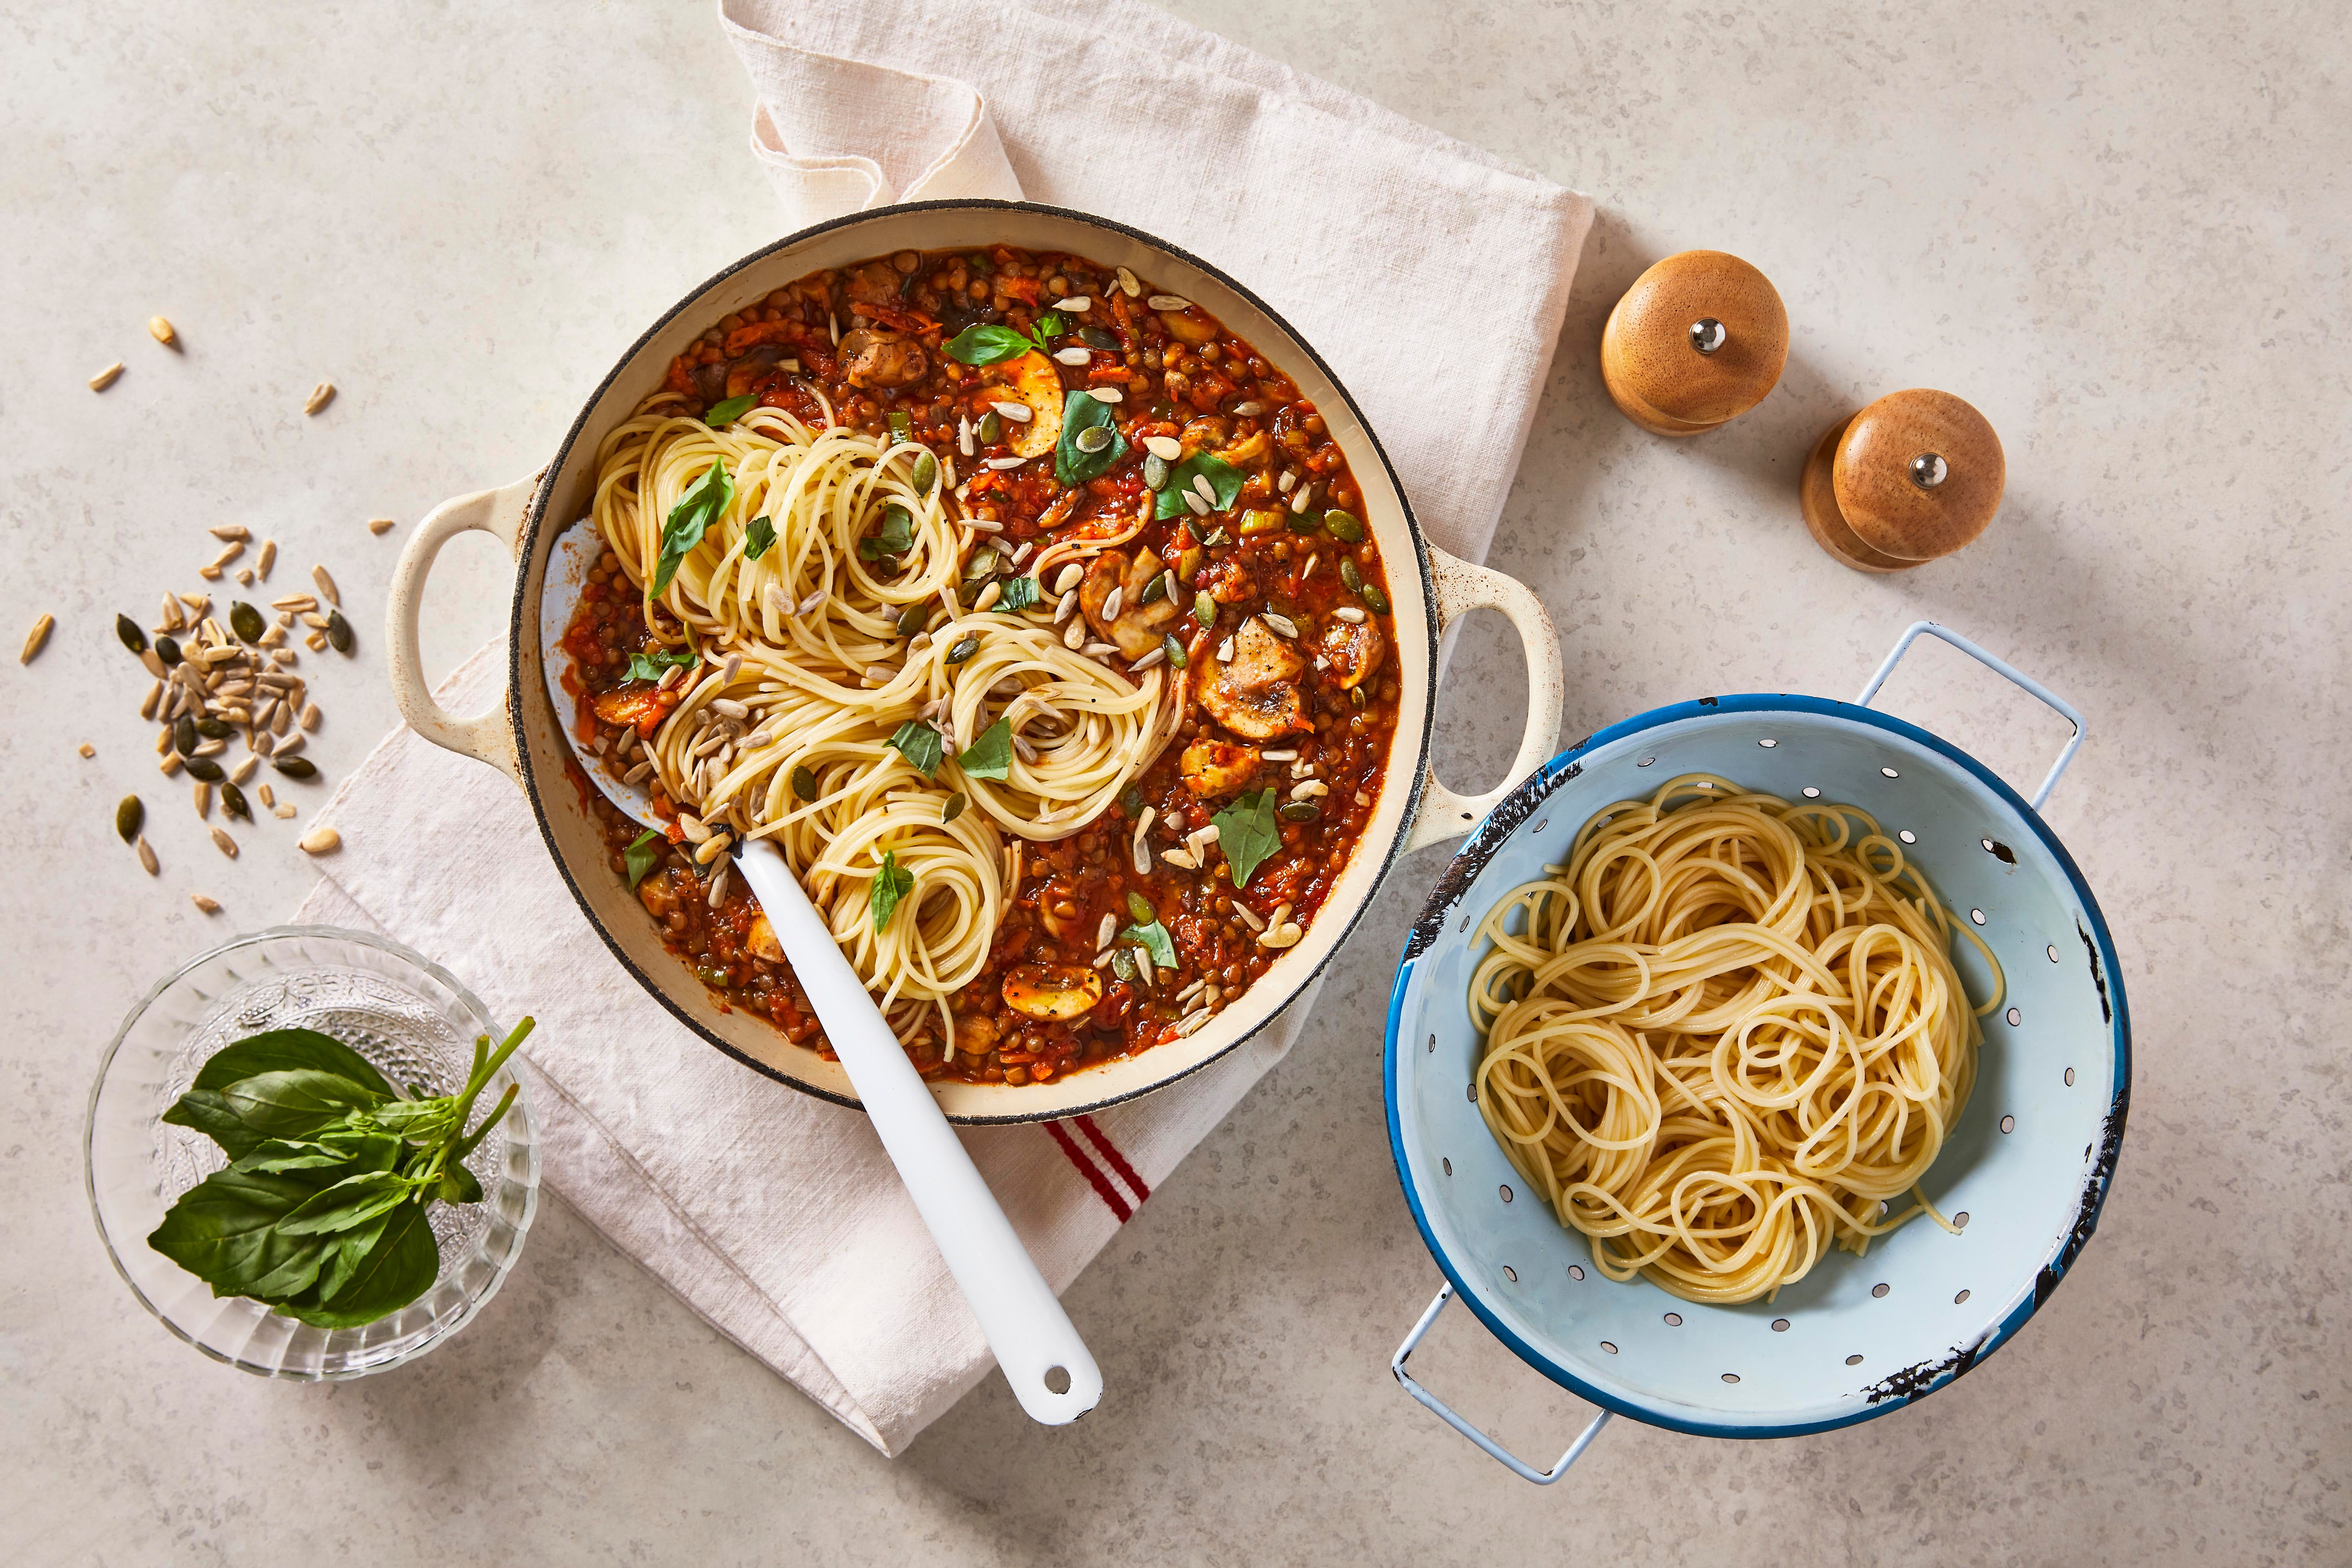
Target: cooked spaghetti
816,673
1725,1036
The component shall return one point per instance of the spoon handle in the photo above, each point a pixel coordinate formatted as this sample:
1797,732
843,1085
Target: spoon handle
1024,1324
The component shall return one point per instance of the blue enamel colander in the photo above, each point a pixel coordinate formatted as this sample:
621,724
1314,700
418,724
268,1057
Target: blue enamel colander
2024,1171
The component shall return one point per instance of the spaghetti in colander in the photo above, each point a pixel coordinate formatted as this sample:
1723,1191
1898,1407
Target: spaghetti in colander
1725,1036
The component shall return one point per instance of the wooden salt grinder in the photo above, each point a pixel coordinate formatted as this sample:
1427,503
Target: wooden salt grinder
1912,478
1698,339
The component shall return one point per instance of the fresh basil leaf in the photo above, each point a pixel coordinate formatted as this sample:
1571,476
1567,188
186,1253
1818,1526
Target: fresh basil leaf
1223,476
654,665
643,853
758,538
1048,327
894,538
705,502
350,1203
920,745
988,345
345,1151
223,1230
1248,833
1074,466
724,414
420,1122
459,1185
345,1251
397,1267
1154,940
279,1050
990,756
1017,594
295,1102
891,884
208,1113
902,426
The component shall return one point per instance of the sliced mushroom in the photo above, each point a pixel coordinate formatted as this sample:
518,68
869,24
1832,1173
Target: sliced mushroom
1249,451
1354,649
709,380
1053,991
756,366
1205,434
1138,627
1215,769
875,283
1255,692
760,937
876,356
1228,582
1030,380
976,1033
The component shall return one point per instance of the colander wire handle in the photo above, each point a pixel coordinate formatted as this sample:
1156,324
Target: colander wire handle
2034,687
1517,1466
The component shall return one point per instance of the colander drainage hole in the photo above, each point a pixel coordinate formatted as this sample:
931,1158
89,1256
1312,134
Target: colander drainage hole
1881,1288
2052,951
1448,1164
1605,1344
1779,1325
1674,1319
1645,762
1908,836
1510,1274
1767,745
1960,1298
1890,773
1576,1271
1853,1361
1506,1191
2014,1017
1733,1376
1544,823
1976,915
2008,1124
1960,1220
2070,1078
1813,794
1470,1091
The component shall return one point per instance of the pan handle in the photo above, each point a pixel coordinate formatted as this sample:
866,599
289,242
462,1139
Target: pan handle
1517,1466
1462,587
486,737
2031,687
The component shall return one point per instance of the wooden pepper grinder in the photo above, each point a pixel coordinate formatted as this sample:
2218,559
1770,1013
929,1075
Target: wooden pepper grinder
1913,477
1699,338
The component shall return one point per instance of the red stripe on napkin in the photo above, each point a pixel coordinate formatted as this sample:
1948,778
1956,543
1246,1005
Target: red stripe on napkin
1093,1173
1110,1150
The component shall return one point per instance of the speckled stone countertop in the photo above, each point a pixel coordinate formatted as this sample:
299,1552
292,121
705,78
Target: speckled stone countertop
2120,231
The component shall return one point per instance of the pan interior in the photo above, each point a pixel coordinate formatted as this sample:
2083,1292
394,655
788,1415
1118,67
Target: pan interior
2028,1144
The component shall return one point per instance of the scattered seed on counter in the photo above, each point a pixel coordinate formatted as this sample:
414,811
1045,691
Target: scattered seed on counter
223,843
164,332
281,810
235,532
262,792
267,559
320,395
381,525
326,584
319,841
106,377
37,638
204,799
210,906
146,855
87,750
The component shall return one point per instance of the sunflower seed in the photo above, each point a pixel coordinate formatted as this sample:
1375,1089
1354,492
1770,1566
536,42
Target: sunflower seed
1099,649
146,855
1110,395
281,811
1072,355
204,798
319,841
1281,626
163,332
310,715
1028,753
326,584
1077,304
811,605
381,525
1169,303
1226,653
297,603
718,883
1181,859
1167,448
223,843
316,642
1193,499
35,638
1127,284
1114,603
1017,412
106,377
989,594
320,395
1149,660
1001,464
1075,637
963,435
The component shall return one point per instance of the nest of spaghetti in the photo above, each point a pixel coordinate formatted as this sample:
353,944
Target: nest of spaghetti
1725,1036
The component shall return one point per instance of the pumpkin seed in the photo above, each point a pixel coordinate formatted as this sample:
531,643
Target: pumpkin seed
1351,576
1298,811
803,784
914,618
1155,472
992,428
1155,589
128,817
1343,525
232,800
953,809
292,767
167,648
213,729
184,735
339,632
1096,338
1140,907
1175,649
246,622
1205,608
209,770
1356,694
1093,438
1377,601
965,647
927,473
132,638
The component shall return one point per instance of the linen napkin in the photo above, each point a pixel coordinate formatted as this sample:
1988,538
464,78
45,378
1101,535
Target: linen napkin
774,1215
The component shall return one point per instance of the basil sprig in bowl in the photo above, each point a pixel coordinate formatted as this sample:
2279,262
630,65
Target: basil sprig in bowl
392,1021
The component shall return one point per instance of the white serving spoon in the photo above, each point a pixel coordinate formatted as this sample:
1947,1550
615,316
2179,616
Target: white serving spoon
1033,1338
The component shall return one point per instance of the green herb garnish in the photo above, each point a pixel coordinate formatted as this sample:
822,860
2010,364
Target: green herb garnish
1247,834
893,538
654,665
724,414
705,502
920,745
1154,940
322,1214
891,884
758,539
643,853
1075,464
990,756
1018,594
1223,476
983,345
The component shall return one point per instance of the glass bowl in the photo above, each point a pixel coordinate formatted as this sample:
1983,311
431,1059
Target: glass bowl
414,1023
